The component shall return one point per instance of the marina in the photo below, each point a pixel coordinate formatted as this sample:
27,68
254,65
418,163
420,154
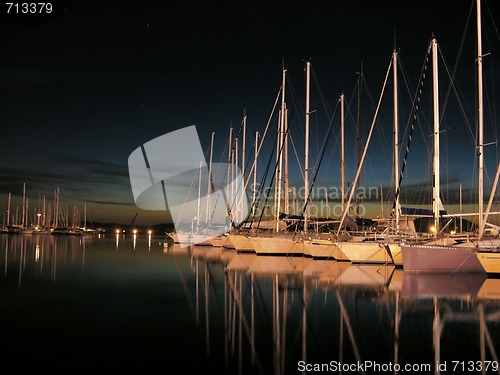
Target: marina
214,309
205,188
417,239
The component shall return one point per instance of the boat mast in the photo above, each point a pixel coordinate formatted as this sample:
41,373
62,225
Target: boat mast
254,190
359,131
480,117
229,164
209,183
461,209
56,208
243,156
396,136
279,150
8,211
435,191
243,146
199,198
235,187
342,151
358,171
285,152
23,223
44,215
306,156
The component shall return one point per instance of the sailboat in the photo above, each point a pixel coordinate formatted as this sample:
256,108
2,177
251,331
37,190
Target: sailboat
239,238
197,234
452,256
488,249
25,228
279,241
379,246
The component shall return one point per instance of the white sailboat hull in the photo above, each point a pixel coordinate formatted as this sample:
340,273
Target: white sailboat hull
241,243
277,245
188,239
490,261
324,249
371,252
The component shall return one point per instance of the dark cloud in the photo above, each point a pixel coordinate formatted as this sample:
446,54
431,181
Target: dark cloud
83,88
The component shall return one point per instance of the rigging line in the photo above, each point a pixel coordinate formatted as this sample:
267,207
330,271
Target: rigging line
379,131
450,87
258,194
221,191
344,214
409,91
191,187
263,136
457,59
297,157
293,108
276,164
318,164
492,20
272,180
256,203
416,108
325,103
321,94
494,115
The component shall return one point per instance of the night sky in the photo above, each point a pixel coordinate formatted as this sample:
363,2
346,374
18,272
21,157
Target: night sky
83,87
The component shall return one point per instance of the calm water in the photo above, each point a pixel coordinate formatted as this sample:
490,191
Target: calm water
68,304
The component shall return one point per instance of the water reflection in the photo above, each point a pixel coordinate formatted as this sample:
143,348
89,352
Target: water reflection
256,314
288,314
40,255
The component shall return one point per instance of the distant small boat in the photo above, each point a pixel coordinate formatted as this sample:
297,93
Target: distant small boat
59,230
41,231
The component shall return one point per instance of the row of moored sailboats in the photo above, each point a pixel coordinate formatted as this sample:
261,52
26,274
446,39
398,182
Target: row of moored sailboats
394,240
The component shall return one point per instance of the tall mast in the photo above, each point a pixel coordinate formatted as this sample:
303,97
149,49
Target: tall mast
209,182
254,190
44,214
396,136
306,156
279,155
480,117
199,198
8,210
435,191
56,208
342,151
285,152
461,209
229,170
234,203
23,223
243,157
243,146
359,132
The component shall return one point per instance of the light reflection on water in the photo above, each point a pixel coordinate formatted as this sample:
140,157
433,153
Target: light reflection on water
281,315
126,299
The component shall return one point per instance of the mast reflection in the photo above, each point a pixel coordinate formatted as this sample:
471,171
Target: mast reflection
279,312
39,256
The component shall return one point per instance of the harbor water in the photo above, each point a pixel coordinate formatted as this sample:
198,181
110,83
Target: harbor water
134,302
